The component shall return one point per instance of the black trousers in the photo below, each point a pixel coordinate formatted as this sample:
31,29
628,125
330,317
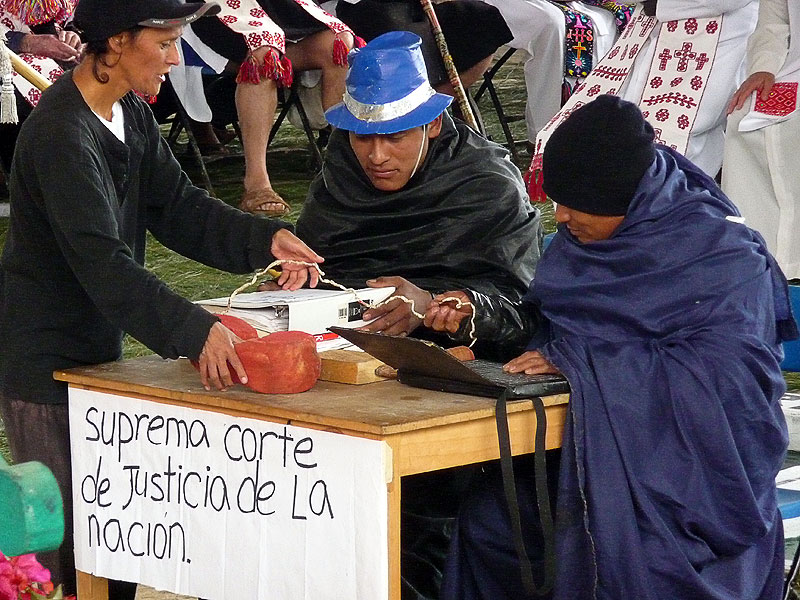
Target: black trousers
9,133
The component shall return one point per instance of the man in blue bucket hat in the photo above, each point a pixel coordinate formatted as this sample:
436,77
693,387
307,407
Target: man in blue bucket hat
407,192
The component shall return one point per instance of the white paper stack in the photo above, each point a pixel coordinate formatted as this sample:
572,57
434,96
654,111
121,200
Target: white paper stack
309,310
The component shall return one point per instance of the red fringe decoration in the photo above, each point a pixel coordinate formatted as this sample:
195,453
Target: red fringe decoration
359,42
35,12
274,67
566,92
340,51
534,178
249,71
287,72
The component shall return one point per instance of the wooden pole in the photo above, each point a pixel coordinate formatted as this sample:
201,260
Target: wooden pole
450,67
25,70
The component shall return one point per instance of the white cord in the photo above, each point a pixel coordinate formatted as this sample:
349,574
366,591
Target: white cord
459,303
259,274
421,148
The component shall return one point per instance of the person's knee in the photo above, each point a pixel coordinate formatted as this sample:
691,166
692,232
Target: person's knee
483,517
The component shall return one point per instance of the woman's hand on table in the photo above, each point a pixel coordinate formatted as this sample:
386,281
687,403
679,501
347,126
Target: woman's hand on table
444,316
217,356
530,363
287,246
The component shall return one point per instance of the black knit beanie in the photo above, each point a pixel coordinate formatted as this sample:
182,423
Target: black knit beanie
594,161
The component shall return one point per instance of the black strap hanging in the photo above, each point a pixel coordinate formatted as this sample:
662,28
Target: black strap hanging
543,498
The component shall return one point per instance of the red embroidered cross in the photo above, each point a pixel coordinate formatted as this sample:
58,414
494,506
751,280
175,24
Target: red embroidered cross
684,55
578,34
701,60
628,31
665,57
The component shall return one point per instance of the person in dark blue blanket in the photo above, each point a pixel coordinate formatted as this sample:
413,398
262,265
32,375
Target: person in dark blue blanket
666,314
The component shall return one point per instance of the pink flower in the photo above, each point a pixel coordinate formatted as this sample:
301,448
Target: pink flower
19,573
31,568
7,591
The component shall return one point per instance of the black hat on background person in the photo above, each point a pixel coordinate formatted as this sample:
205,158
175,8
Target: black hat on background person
596,158
99,20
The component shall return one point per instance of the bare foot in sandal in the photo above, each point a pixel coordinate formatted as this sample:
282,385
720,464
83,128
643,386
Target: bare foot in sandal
265,201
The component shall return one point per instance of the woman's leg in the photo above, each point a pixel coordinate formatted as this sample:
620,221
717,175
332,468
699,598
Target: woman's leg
255,105
316,52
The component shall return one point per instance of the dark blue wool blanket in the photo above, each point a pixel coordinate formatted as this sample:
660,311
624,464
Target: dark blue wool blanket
669,333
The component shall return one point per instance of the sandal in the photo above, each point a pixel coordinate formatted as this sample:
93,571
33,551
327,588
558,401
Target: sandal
258,202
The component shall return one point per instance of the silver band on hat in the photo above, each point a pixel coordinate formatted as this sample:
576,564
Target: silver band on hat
372,113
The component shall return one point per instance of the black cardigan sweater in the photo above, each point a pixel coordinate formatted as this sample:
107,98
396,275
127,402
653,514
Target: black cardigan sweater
72,278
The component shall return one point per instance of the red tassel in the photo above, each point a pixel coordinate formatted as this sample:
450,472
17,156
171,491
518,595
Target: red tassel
271,69
358,42
566,92
249,71
340,51
287,72
535,179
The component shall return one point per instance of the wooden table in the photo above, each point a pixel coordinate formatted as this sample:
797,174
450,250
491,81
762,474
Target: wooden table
425,430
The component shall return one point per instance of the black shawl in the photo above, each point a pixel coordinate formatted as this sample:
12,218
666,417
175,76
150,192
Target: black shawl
463,220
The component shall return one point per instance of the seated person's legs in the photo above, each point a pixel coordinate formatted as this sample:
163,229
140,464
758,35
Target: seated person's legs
315,52
255,105
256,101
482,563
538,29
472,54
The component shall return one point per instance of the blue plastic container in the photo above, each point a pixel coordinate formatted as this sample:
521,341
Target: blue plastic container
791,350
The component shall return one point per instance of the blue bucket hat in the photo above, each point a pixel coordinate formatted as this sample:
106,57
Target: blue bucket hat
387,88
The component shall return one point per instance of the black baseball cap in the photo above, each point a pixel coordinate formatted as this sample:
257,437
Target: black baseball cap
100,19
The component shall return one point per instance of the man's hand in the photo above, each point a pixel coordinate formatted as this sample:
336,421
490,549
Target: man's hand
760,82
65,47
649,7
217,352
530,363
395,317
287,246
445,316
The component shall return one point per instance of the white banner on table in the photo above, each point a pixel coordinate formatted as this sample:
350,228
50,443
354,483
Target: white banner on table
205,504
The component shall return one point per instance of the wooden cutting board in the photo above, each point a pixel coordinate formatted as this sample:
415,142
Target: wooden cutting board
349,366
